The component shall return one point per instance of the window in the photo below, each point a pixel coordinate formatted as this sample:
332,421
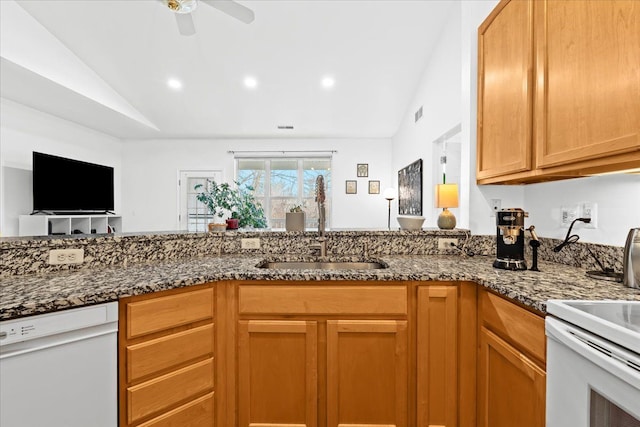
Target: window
281,183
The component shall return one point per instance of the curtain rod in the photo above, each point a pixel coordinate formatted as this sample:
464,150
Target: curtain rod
282,151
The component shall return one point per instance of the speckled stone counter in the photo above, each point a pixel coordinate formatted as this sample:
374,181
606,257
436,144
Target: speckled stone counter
34,294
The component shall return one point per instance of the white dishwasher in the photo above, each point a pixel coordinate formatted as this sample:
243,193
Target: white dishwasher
60,369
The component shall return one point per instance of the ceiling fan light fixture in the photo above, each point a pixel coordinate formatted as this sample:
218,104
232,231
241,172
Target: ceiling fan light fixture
182,6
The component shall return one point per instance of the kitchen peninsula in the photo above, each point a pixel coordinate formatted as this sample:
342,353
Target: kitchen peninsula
229,331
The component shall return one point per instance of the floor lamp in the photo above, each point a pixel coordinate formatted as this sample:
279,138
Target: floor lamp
389,194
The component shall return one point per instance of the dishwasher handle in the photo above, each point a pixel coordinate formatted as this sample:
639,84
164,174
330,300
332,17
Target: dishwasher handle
11,350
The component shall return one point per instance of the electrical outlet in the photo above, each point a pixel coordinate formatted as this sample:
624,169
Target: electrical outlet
66,256
590,210
250,243
446,243
496,205
568,214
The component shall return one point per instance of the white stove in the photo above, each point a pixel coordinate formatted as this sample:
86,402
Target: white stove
593,363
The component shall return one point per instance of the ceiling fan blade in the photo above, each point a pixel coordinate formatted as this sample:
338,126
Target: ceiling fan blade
233,9
185,24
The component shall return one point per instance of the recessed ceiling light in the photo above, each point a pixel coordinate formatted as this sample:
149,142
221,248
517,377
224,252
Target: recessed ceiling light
174,84
250,82
328,82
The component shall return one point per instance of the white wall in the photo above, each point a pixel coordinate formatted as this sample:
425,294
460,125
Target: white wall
24,130
150,169
438,93
617,198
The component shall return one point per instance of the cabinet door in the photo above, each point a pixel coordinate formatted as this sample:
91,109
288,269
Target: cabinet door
588,90
277,373
505,92
511,387
437,356
366,373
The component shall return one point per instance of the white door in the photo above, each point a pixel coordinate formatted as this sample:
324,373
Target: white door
192,214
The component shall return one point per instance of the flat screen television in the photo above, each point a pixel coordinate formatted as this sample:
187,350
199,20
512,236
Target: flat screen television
71,186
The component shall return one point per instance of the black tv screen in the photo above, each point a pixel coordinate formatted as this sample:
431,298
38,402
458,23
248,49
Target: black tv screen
67,185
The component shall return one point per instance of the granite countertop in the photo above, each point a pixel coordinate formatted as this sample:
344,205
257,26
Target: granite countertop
35,294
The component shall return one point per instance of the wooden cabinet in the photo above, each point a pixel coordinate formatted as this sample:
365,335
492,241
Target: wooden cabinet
166,358
505,90
367,373
328,355
511,364
558,91
277,373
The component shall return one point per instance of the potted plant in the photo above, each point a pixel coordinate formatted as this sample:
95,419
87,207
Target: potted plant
237,204
294,219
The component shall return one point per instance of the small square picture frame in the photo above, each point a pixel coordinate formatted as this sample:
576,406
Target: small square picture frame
362,170
351,187
374,187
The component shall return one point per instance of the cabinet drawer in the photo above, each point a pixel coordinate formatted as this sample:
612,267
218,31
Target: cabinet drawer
343,300
523,329
163,392
172,350
193,414
145,317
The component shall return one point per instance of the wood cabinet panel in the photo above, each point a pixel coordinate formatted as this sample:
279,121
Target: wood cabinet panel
437,350
505,90
157,314
277,373
576,110
163,392
588,87
511,387
198,413
523,329
322,300
153,356
367,373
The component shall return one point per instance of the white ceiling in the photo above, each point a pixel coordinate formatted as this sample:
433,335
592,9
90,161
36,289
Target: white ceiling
376,50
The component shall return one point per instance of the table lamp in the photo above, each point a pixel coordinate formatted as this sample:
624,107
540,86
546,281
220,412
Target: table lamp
389,194
446,197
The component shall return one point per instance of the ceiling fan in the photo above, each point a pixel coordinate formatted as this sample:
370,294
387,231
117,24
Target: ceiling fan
183,9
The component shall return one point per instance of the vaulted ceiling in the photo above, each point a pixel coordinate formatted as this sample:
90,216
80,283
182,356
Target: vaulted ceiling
105,64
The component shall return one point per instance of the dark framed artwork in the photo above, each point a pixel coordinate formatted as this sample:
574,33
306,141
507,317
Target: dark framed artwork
410,189
363,170
374,187
351,187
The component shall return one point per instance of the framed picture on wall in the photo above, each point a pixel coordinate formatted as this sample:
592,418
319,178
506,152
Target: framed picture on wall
351,187
410,189
363,170
374,187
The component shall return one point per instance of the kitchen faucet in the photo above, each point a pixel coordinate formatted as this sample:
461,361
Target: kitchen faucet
320,197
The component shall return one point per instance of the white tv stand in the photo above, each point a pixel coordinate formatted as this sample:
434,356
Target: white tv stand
38,225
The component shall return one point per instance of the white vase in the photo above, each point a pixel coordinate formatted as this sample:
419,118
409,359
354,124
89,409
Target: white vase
294,221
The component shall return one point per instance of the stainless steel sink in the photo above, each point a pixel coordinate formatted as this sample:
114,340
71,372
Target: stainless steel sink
322,265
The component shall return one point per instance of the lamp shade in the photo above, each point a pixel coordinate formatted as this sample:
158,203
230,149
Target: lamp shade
447,195
389,193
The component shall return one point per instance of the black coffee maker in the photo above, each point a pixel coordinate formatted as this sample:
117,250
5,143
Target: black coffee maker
510,239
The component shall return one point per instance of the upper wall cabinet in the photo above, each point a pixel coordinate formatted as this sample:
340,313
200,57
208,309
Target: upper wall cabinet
558,90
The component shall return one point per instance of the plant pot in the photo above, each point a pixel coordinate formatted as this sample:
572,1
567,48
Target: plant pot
294,221
232,224
217,226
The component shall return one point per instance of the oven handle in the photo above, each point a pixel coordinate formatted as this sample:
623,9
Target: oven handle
567,335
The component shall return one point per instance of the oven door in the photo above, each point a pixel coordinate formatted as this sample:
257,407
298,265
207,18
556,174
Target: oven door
590,382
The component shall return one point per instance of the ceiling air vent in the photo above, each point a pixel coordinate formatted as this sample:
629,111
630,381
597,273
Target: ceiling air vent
285,127
418,114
